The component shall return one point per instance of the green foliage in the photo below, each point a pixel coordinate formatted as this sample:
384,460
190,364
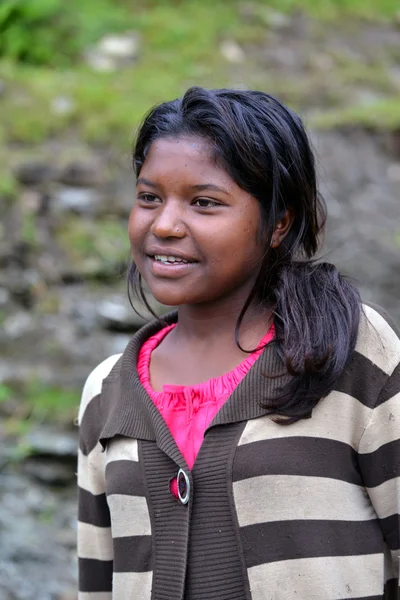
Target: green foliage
31,31
94,249
334,9
28,231
18,453
105,240
46,402
383,114
35,401
5,393
8,186
55,32
179,47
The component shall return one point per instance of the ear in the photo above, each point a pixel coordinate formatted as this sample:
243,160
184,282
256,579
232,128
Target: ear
282,228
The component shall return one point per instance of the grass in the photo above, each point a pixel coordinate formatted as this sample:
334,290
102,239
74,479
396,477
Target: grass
179,47
28,233
336,9
95,248
108,105
384,114
44,402
37,402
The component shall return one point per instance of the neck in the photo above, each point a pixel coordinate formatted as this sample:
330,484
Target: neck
198,323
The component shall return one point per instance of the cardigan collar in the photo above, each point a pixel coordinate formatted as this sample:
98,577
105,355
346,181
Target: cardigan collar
132,413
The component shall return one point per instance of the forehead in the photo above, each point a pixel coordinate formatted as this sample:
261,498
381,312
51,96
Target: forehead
188,155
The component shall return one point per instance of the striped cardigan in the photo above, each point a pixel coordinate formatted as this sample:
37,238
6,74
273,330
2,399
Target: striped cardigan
308,511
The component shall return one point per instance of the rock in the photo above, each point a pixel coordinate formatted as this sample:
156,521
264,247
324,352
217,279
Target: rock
77,174
323,61
275,19
248,11
50,472
4,297
70,595
82,201
394,74
259,14
31,200
84,316
392,142
232,52
119,343
43,441
114,51
99,62
120,46
67,537
61,105
22,285
35,173
37,561
115,314
285,57
18,325
365,97
393,172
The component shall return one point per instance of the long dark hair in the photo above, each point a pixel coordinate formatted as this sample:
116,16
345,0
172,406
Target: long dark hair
263,146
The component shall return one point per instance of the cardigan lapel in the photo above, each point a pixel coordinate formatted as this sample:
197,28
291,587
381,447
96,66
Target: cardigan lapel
260,384
132,413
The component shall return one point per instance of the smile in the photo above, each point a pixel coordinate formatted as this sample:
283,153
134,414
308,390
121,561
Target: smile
167,265
170,259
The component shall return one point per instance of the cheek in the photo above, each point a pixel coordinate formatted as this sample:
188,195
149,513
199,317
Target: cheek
136,228
246,243
131,230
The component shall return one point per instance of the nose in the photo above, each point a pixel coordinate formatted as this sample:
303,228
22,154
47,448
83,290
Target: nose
168,222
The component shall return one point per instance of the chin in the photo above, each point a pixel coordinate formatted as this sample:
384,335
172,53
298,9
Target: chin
168,297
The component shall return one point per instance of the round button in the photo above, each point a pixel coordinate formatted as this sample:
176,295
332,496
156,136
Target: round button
183,486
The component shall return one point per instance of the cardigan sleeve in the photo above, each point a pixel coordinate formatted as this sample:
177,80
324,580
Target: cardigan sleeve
95,549
380,465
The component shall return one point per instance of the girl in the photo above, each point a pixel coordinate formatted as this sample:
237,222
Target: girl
246,447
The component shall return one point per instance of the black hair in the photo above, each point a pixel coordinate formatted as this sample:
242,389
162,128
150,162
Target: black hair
264,147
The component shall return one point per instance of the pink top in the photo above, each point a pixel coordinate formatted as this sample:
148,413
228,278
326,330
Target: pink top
189,410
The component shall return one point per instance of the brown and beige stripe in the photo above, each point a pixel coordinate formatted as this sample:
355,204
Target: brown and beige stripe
308,511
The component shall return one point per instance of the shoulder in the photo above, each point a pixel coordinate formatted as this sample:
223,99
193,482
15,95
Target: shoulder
94,382
378,338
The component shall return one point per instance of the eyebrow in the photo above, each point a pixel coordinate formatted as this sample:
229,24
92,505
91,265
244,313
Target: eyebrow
198,187
145,181
209,186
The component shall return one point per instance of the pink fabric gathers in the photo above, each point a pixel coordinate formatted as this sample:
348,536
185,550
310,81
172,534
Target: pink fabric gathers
189,410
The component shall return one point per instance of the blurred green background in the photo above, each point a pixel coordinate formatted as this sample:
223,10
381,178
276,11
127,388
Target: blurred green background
42,43
76,78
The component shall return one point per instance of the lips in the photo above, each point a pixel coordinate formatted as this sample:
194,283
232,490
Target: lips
170,270
169,255
170,259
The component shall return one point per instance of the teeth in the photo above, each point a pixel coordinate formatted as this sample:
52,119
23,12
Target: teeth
169,259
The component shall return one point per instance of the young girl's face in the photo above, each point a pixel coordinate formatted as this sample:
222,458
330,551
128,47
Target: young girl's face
193,230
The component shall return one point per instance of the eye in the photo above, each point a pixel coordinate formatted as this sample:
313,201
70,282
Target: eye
147,198
205,203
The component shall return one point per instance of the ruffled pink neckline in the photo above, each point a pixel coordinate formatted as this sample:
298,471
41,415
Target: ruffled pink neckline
189,410
205,391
